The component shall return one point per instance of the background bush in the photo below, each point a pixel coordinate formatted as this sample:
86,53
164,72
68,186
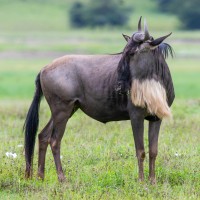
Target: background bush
188,12
99,13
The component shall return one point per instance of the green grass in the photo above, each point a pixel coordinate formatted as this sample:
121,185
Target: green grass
91,41
185,73
99,160
32,15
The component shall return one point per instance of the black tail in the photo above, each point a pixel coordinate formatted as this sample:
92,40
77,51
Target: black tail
31,126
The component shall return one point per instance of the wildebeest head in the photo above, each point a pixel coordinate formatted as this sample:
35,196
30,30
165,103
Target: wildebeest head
143,65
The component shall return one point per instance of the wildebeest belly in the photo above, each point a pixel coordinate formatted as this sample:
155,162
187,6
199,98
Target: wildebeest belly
103,111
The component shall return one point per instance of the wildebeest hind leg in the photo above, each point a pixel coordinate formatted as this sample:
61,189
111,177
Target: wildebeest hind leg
61,114
44,137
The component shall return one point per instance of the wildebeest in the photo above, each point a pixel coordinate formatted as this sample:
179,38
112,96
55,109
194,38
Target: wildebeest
135,84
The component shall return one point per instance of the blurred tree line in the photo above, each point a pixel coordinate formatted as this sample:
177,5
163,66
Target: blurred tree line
116,12
188,11
99,13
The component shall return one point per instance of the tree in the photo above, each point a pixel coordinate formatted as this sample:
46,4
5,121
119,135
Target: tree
187,11
77,15
190,14
99,13
165,5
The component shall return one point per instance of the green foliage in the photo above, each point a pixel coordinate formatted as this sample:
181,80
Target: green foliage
99,13
165,5
187,11
76,14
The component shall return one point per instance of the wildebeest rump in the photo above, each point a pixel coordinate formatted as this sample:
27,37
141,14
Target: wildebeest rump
135,84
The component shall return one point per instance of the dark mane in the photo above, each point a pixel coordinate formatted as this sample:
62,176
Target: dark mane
166,50
123,69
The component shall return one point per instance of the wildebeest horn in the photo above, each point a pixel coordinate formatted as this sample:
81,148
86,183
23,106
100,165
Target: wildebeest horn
139,25
159,40
146,32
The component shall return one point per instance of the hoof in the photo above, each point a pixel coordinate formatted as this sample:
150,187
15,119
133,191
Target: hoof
40,176
152,181
141,178
61,178
28,174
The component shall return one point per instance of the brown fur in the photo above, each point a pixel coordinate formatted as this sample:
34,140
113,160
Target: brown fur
150,94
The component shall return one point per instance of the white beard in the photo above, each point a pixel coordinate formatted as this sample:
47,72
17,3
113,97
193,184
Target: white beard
150,94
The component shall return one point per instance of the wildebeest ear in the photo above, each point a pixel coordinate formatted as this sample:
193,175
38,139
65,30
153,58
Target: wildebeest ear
126,37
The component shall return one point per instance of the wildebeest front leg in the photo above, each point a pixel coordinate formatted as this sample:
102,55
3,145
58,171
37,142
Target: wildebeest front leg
154,128
137,122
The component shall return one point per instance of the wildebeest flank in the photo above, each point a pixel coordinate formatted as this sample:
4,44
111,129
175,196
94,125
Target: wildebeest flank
135,85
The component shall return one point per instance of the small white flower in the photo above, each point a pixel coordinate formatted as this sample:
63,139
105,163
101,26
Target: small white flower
11,155
8,154
176,154
61,157
20,145
14,155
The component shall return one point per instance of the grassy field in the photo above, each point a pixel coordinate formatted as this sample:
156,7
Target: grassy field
98,160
